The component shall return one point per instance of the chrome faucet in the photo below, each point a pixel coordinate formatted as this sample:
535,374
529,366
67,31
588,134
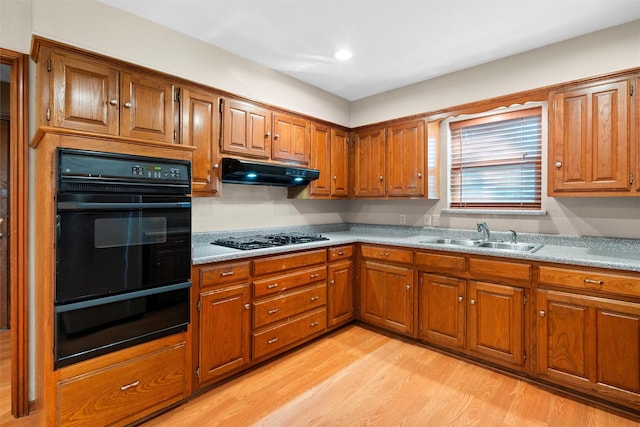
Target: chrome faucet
484,229
514,236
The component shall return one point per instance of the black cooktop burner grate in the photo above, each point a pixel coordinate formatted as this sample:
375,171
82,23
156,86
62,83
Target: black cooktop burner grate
267,240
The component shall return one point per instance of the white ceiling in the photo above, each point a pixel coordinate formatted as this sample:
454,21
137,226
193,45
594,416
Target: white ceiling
394,42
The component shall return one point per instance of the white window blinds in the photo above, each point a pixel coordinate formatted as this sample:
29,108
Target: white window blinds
496,161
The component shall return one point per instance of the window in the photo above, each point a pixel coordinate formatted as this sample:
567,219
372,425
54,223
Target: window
496,161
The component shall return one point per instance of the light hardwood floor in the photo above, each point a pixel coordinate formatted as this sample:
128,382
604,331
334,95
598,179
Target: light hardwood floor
357,377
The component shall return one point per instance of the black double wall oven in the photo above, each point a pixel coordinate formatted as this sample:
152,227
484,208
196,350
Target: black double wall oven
123,252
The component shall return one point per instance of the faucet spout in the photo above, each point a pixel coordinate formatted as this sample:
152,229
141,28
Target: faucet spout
484,229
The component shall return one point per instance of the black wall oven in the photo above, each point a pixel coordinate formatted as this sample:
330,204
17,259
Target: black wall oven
123,252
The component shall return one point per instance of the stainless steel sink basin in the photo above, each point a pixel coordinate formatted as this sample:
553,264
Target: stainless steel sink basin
479,243
506,246
456,242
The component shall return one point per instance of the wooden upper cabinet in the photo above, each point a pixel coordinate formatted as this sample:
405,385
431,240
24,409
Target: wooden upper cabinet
405,159
146,107
200,123
321,160
93,96
84,94
330,155
636,135
369,173
246,129
339,163
589,147
291,139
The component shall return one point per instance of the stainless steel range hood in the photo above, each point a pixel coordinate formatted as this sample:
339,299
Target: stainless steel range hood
238,171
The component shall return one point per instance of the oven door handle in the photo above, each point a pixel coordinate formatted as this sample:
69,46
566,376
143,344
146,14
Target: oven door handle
120,297
75,206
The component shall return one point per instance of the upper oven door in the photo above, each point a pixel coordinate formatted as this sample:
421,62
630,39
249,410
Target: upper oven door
109,244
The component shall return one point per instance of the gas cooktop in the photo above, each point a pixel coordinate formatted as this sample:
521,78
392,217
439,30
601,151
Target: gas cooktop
267,240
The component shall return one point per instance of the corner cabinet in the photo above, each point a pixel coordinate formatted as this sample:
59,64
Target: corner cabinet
369,173
590,139
386,288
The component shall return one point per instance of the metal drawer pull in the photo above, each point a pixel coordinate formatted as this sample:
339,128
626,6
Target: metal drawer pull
227,273
273,285
316,298
314,324
272,341
313,276
273,311
341,253
128,386
595,282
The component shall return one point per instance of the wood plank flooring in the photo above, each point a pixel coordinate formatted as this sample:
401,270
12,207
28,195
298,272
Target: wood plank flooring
357,377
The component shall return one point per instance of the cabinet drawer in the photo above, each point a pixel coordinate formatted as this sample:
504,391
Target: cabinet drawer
280,336
115,393
279,263
382,253
285,282
287,305
440,262
340,252
622,284
224,273
492,269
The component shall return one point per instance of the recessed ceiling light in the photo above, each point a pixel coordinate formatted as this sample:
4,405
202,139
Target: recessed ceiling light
343,54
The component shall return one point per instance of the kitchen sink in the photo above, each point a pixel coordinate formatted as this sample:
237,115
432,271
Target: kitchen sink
507,246
479,243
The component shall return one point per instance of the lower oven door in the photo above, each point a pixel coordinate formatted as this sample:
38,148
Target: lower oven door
110,244
99,326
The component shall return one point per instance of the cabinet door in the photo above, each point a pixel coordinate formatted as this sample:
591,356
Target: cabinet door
442,310
321,160
589,150
495,321
369,164
200,130
84,94
405,160
146,107
291,140
224,331
340,301
246,129
387,296
590,343
339,163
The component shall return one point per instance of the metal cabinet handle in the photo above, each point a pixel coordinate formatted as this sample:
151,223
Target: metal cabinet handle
314,324
315,298
594,282
127,104
542,313
335,177
273,285
460,299
113,101
216,166
313,276
128,386
267,135
247,306
332,282
341,253
381,177
227,273
558,165
273,311
272,341
419,175
276,136
473,302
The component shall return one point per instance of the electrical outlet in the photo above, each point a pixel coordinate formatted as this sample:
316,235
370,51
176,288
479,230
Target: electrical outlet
435,220
427,220
403,219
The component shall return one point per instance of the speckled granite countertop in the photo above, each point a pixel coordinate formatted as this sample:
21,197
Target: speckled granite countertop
620,254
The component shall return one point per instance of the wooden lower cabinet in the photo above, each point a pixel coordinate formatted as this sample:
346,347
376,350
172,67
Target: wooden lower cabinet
387,296
591,344
118,393
225,331
340,289
442,310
